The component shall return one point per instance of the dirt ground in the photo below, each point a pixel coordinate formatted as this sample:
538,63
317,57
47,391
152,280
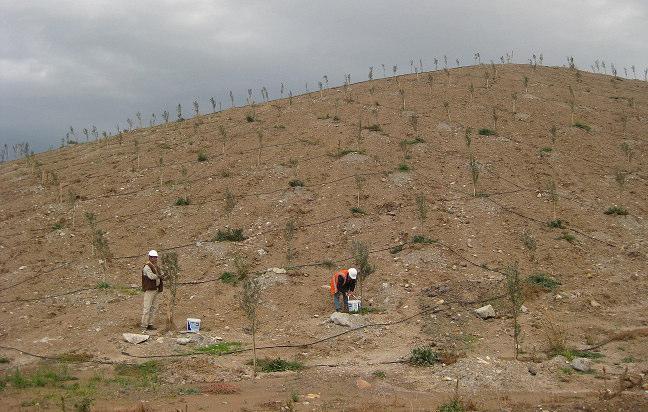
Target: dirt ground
385,163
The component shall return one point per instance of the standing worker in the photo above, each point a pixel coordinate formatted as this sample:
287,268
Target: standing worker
152,287
342,284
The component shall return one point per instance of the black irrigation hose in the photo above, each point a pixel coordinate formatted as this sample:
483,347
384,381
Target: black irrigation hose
32,277
72,292
54,358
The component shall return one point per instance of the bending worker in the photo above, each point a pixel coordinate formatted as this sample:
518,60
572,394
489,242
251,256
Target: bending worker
343,283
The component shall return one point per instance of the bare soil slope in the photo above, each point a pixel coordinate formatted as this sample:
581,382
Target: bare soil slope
385,163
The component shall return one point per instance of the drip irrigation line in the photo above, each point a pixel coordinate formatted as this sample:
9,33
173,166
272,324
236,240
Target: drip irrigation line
55,358
32,277
47,297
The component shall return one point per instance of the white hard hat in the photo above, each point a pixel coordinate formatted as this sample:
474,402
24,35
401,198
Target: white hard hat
153,253
353,273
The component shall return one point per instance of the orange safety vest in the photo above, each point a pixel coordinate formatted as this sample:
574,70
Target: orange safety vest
334,280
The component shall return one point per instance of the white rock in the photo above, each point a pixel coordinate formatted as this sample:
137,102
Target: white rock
135,338
594,303
278,271
524,309
581,364
183,341
345,319
485,312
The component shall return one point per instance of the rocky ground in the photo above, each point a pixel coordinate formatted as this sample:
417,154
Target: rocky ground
384,163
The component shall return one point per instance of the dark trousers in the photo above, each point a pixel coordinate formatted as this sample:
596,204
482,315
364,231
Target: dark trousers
341,302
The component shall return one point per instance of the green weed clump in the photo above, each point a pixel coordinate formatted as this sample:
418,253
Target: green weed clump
374,128
543,280
220,348
583,126
137,376
379,374
103,285
4,359
557,224
229,235
422,239
403,167
230,278
58,226
487,132
454,405
296,183
358,211
571,353
567,236
395,249
423,356
44,376
202,157
182,201
616,210
277,365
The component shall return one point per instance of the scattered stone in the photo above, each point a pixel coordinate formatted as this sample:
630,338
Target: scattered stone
278,271
522,116
485,312
362,384
524,309
183,341
532,370
313,395
345,319
135,338
594,304
581,364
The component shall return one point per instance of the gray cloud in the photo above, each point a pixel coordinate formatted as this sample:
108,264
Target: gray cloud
98,62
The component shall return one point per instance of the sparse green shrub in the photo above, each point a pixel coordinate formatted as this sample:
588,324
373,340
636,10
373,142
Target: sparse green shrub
229,235
58,226
358,211
422,239
543,280
571,353
189,391
516,297
249,118
454,405
379,374
557,224
403,167
44,376
84,404
365,310
423,356
4,359
567,236
486,132
229,278
182,201
374,128
103,285
616,210
296,183
277,365
546,150
583,126
202,157
137,376
395,249
414,141
220,348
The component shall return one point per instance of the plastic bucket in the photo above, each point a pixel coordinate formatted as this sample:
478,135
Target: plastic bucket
354,305
193,325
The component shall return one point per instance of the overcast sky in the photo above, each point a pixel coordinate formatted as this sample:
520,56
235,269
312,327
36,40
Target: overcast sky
78,63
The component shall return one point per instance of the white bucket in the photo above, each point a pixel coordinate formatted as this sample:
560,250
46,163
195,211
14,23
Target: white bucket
193,325
354,305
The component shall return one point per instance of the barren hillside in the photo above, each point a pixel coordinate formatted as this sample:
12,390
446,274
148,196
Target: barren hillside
451,179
